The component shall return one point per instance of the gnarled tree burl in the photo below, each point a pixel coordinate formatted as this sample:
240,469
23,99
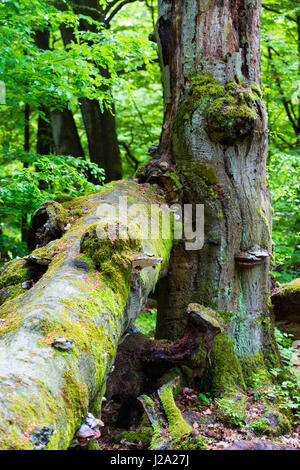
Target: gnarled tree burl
212,151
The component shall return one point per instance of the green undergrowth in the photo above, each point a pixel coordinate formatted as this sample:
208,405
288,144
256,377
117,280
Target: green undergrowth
142,434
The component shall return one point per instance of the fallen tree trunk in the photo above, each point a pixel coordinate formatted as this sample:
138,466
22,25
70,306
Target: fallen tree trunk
58,339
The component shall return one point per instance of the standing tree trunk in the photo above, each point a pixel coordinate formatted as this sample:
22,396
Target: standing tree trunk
44,140
215,132
65,134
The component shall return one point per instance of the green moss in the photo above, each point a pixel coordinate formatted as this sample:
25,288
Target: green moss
205,172
208,314
274,423
76,400
226,372
203,89
10,292
256,90
83,261
11,440
226,316
229,111
199,358
140,170
180,431
230,118
291,288
57,214
177,425
171,375
76,213
143,434
41,408
14,273
111,255
260,427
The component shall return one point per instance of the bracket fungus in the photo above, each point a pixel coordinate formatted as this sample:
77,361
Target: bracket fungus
63,344
88,430
250,258
37,260
144,260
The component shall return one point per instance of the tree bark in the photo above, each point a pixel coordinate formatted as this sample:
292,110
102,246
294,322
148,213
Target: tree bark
44,141
65,133
91,299
215,131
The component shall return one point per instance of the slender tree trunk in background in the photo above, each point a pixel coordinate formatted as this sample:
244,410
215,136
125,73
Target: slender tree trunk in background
215,131
65,133
89,290
101,133
100,125
44,143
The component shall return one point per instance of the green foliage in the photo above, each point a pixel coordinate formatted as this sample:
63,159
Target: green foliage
232,409
280,62
203,400
22,190
146,321
283,179
63,74
286,392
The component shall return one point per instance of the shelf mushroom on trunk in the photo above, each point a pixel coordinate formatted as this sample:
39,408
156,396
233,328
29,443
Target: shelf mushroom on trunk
250,258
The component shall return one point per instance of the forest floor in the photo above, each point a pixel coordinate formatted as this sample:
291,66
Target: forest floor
202,415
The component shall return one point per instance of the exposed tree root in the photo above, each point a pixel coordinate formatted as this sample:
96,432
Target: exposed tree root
170,430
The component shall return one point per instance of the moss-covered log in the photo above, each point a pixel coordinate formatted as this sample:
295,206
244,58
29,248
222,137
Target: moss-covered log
60,325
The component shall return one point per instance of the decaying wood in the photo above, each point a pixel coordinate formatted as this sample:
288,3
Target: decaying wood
142,364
